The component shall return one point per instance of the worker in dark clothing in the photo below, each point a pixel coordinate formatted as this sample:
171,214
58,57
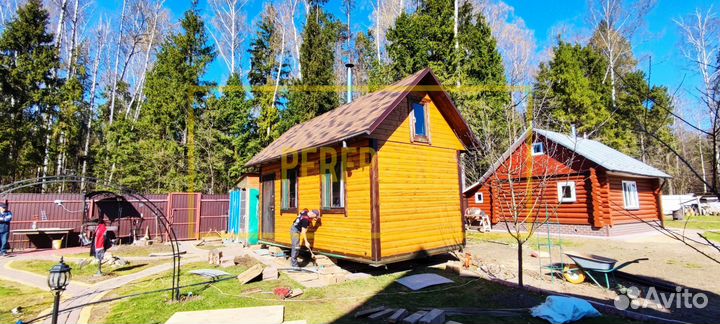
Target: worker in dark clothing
298,233
5,218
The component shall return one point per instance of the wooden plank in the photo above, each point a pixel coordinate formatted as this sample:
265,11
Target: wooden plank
250,274
259,315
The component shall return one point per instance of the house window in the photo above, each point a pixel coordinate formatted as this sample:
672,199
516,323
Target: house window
630,195
419,122
290,190
333,186
538,148
566,192
479,197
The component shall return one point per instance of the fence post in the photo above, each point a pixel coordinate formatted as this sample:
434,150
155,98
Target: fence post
198,201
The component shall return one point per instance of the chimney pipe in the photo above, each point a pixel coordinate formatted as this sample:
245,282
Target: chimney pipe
349,67
573,131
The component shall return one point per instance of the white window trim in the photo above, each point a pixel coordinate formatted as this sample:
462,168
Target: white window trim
630,205
573,193
479,198
542,148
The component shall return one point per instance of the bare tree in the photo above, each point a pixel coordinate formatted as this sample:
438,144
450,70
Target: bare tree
616,22
118,43
384,14
229,27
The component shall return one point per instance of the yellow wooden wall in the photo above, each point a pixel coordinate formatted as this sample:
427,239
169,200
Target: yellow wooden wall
339,233
419,189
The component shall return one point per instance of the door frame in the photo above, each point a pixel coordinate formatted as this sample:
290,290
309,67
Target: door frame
263,179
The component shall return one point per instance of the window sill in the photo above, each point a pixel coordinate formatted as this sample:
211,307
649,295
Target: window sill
289,210
333,211
421,140
568,201
632,208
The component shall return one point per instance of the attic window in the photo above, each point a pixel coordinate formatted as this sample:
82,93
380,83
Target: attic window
479,198
419,122
566,192
538,148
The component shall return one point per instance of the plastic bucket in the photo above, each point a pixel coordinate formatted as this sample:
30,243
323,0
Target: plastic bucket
57,244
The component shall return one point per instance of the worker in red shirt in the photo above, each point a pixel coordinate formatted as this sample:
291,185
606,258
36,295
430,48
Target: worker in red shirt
100,244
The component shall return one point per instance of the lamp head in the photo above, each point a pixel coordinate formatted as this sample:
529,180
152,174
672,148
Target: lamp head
59,277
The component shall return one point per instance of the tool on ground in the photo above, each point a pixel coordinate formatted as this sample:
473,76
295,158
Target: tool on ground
589,264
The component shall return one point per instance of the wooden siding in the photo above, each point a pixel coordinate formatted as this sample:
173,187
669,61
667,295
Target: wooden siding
419,187
647,197
347,233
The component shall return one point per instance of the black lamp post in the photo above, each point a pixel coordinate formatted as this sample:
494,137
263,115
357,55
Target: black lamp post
58,279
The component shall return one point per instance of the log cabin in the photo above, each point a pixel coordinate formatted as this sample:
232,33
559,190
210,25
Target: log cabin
384,170
576,185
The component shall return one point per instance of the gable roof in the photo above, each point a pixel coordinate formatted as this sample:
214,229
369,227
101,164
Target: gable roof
599,153
362,117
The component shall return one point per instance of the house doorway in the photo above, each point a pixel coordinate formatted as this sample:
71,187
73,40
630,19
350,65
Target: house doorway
268,207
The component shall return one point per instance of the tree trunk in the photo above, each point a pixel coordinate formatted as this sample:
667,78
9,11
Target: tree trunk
73,40
117,63
520,264
279,68
297,41
91,108
141,83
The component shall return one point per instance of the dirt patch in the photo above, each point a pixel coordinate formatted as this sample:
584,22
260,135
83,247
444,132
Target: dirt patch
670,261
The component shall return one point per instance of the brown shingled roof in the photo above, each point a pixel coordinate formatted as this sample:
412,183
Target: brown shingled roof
360,117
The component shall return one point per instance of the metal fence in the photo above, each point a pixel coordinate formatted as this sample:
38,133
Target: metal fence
192,215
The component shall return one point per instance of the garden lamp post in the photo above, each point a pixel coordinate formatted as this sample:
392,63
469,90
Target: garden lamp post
58,279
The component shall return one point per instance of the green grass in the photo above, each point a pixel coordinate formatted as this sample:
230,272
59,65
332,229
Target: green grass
695,222
86,273
713,236
32,300
333,304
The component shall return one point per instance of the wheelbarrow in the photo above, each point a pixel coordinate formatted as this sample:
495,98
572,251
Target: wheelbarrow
589,264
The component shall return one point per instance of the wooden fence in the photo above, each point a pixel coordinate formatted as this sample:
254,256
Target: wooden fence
192,215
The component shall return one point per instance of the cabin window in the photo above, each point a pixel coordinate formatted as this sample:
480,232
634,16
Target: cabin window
566,192
479,197
290,190
630,195
333,186
419,122
538,148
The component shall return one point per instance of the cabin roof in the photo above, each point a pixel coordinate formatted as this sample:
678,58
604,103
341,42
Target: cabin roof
599,153
362,116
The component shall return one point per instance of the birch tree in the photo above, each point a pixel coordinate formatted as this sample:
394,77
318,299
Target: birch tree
228,30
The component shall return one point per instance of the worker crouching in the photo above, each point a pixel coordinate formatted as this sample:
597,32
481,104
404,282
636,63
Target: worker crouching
298,234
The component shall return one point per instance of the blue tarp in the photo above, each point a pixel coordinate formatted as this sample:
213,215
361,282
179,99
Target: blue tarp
559,309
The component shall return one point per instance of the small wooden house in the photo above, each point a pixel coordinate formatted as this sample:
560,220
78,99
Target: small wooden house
582,186
384,170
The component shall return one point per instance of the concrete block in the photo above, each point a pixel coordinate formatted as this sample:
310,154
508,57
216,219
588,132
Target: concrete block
270,273
435,316
357,276
414,318
275,250
398,315
369,311
259,315
381,314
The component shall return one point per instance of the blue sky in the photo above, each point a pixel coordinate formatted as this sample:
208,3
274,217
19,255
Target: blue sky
659,41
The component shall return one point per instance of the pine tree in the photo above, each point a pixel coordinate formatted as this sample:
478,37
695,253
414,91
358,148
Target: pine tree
314,94
264,70
426,38
175,98
28,87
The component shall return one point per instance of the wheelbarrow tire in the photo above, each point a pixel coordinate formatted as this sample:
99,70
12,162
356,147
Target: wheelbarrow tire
573,274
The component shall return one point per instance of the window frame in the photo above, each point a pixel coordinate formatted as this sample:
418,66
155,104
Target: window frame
542,148
415,138
627,184
343,188
284,189
481,196
560,193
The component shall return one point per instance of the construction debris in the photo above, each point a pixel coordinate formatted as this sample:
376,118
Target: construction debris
282,292
357,276
210,273
414,318
381,314
259,315
398,315
215,257
270,273
369,311
423,280
435,316
250,274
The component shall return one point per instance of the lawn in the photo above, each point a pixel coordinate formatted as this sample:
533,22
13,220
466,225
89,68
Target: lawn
709,224
32,300
86,273
333,304
532,242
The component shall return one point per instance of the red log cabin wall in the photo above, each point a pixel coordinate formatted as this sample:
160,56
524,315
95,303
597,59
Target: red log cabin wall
605,208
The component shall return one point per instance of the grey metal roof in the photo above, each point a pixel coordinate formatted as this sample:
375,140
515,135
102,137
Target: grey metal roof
603,155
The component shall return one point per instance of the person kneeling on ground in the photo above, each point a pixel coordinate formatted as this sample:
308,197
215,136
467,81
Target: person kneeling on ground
298,231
